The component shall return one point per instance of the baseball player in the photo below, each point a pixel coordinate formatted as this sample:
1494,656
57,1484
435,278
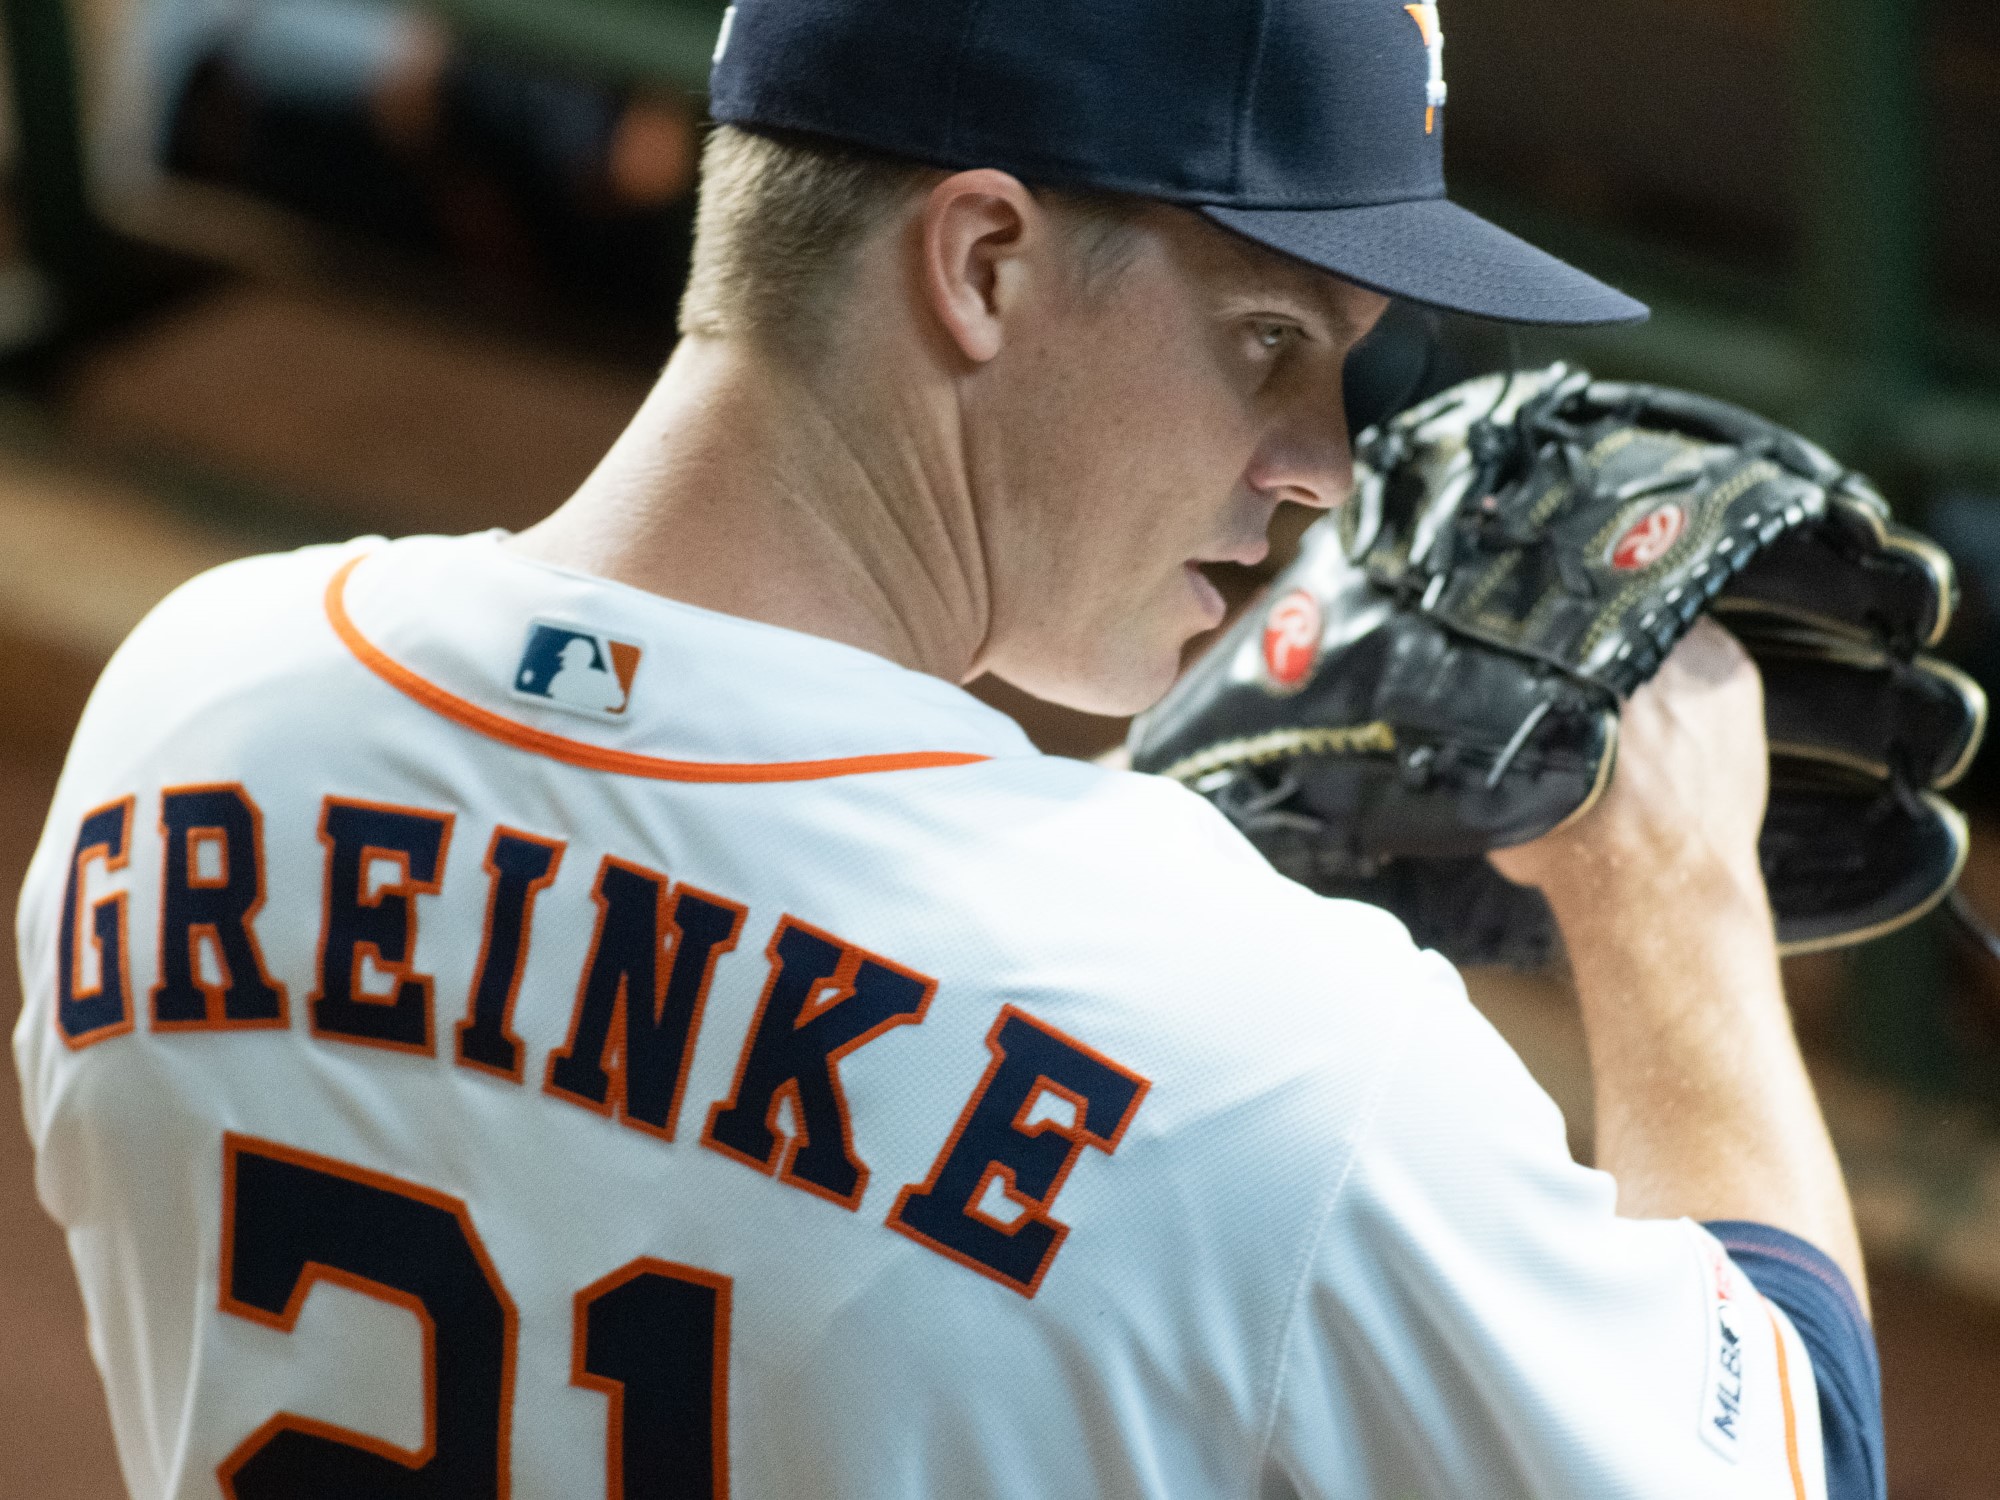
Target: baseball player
763,1074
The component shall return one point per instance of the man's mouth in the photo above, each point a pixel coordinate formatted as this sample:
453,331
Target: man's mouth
1213,605
1247,553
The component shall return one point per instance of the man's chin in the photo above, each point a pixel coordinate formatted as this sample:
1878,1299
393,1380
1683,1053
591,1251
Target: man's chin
1112,690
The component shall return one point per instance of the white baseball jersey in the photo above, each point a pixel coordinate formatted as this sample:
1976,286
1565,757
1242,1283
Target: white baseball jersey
491,1031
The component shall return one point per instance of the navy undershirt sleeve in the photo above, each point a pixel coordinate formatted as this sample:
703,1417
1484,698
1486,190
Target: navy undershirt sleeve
1818,1298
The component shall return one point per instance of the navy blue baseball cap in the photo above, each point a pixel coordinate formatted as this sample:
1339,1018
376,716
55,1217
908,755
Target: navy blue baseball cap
1315,127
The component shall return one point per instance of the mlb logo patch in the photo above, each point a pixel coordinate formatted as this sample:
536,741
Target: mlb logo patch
577,670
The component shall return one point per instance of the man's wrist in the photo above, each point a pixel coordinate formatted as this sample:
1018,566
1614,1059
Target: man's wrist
1630,904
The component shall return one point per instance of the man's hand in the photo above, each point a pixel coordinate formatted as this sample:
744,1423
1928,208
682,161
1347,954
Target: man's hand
1681,816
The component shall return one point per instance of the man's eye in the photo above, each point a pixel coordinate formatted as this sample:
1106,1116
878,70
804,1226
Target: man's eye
1274,336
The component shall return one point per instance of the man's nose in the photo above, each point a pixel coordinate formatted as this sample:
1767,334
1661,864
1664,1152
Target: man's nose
1308,461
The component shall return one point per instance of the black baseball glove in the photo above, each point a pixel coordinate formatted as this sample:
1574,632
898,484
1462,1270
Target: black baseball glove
1440,672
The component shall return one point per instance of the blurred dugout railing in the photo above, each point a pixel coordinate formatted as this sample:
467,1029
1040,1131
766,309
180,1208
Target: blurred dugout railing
95,253
1805,193
1839,113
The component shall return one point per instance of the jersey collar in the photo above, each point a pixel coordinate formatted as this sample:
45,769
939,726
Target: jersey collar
601,675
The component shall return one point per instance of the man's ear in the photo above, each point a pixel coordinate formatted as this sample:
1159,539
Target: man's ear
980,230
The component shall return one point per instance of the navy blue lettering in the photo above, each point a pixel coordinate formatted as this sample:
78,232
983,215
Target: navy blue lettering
1003,1138
520,867
90,1011
654,1338
374,920
631,1038
211,891
794,1053
290,1220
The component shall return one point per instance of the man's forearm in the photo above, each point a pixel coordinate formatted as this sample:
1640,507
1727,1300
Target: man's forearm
1704,1108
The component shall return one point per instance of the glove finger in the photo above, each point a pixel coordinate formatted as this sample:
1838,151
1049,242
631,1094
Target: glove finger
1829,699
1717,421
1856,573
1847,860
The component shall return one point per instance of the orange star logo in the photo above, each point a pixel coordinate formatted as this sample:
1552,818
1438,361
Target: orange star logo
1426,17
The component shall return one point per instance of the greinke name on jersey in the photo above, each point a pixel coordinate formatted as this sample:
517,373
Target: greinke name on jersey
656,949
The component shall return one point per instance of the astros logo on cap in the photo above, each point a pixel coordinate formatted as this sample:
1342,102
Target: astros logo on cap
1426,17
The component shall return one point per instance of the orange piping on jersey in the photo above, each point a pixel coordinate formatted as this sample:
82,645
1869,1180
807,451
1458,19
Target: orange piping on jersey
1791,1416
593,757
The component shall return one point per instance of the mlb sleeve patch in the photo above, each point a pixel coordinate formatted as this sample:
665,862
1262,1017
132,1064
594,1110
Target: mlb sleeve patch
1821,1303
1734,1316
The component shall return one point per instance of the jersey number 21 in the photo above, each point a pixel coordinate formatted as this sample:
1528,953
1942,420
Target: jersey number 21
652,1336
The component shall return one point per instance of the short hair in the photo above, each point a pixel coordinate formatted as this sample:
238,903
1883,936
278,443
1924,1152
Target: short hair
783,216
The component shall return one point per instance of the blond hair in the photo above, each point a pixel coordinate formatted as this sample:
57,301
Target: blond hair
782,219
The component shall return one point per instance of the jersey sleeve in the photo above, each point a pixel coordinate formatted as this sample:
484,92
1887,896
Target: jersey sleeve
1817,1297
1475,1320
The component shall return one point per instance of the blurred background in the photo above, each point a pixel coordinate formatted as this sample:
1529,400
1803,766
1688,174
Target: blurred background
277,271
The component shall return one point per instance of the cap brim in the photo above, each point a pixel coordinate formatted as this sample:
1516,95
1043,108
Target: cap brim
1432,251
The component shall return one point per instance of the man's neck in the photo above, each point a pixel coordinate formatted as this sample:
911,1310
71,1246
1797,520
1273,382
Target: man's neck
742,488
